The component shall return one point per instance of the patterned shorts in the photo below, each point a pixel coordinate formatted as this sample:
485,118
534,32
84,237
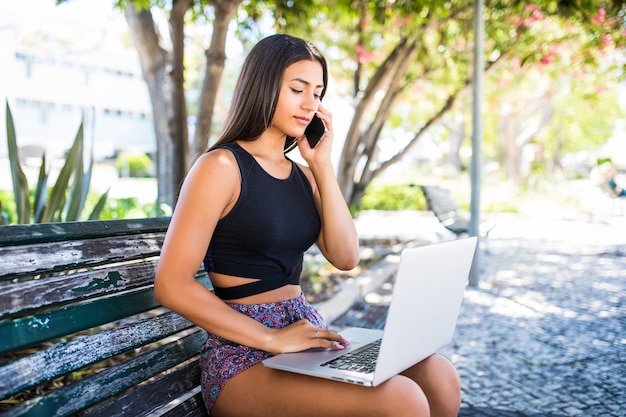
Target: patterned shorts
221,359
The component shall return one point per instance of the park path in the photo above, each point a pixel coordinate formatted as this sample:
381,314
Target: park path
544,334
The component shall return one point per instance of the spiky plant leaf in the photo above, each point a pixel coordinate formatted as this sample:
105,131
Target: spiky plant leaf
58,196
76,198
41,190
20,183
95,213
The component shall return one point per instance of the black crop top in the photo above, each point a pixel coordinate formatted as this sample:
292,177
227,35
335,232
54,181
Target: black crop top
265,235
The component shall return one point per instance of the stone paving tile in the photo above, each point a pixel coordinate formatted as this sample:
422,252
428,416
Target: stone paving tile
545,332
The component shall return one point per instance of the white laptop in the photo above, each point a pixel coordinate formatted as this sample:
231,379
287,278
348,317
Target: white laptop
425,305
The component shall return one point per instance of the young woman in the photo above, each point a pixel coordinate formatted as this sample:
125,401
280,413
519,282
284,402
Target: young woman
249,213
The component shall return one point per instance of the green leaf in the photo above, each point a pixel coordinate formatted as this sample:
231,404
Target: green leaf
20,183
41,190
95,213
58,195
86,180
76,191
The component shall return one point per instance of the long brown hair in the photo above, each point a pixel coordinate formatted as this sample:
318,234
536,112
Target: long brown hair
256,93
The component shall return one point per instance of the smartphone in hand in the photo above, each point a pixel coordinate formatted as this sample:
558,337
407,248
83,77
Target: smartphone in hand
313,132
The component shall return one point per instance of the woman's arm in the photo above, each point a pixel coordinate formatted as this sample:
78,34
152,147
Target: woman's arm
338,239
207,193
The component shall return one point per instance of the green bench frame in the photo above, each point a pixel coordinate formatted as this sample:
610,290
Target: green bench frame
76,299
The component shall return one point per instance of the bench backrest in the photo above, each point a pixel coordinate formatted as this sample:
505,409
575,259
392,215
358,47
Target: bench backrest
440,202
80,330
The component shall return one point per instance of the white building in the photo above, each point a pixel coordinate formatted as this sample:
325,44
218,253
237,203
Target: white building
60,62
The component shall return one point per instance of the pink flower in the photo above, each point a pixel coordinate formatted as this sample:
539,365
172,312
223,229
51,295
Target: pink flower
529,21
364,56
600,17
531,8
535,14
460,46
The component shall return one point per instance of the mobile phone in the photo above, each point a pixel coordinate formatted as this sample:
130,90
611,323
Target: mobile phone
314,131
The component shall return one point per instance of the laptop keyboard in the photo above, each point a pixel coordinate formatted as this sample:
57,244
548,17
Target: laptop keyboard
360,360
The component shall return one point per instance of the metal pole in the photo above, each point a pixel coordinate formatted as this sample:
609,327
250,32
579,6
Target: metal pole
477,135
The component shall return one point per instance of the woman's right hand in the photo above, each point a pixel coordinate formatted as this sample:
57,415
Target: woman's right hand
303,335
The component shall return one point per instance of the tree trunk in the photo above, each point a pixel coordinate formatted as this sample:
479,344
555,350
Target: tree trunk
215,59
177,121
515,135
456,134
511,154
163,72
154,60
354,149
360,143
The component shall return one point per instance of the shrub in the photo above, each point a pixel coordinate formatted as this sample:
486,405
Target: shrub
7,208
393,197
133,165
127,208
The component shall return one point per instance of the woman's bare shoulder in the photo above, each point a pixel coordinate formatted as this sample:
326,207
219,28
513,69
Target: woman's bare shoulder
212,184
220,161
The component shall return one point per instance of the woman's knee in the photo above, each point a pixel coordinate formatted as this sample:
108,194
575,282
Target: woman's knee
401,396
450,387
441,384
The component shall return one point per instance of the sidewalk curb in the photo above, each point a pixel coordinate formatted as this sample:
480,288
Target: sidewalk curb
355,290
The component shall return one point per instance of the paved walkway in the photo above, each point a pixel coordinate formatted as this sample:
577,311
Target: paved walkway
544,334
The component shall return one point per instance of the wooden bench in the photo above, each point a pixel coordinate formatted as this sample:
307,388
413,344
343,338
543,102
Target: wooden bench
80,331
443,206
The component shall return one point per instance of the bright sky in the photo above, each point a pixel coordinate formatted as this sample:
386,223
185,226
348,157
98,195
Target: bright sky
76,26
39,12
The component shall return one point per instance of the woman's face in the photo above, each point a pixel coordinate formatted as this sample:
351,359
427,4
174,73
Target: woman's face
299,97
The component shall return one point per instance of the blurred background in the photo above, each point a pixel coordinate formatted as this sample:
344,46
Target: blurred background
152,87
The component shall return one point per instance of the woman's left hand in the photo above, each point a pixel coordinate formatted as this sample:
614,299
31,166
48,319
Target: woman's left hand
321,151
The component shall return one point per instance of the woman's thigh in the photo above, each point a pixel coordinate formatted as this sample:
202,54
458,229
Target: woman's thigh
261,391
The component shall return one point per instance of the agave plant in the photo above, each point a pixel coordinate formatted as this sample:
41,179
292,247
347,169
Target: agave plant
67,197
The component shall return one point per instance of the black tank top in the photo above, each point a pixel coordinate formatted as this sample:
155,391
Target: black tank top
265,235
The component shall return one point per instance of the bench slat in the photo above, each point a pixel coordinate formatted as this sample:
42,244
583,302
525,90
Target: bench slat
30,330
61,359
47,258
192,407
21,234
143,400
35,294
112,381
22,332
